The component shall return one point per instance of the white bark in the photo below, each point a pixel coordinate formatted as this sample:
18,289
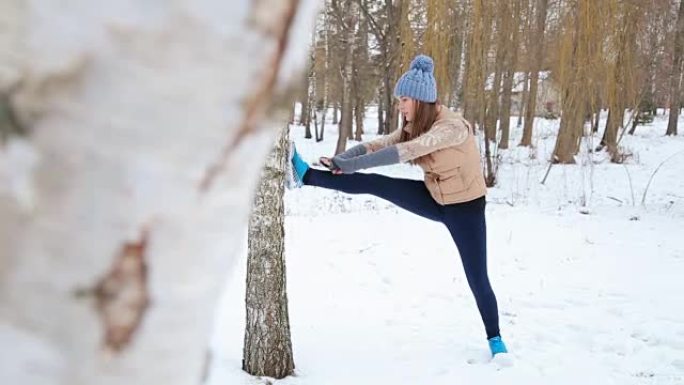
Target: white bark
267,349
121,210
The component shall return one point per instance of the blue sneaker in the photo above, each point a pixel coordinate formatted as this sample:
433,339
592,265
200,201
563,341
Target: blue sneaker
497,346
296,168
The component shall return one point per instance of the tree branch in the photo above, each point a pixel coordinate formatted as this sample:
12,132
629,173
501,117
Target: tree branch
373,23
338,14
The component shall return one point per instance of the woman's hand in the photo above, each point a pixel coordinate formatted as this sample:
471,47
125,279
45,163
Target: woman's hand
327,162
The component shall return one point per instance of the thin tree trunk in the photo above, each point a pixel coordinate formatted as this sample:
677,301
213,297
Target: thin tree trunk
114,252
346,122
359,107
574,87
404,51
345,127
676,76
570,132
305,113
268,347
291,118
503,32
622,89
393,52
476,68
597,118
391,69
511,62
307,110
466,91
537,61
315,120
459,37
523,102
361,62
609,140
307,125
471,77
493,100
648,100
388,104
322,106
359,115
474,99
635,123
381,120
324,113
505,121
309,91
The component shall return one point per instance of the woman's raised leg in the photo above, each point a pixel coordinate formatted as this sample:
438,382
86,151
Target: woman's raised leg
411,195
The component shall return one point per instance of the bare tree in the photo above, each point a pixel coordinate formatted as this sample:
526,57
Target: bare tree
475,100
458,52
362,78
621,82
476,62
501,28
511,61
652,49
580,66
348,18
535,68
309,92
321,109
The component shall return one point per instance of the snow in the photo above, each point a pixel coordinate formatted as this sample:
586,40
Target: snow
588,280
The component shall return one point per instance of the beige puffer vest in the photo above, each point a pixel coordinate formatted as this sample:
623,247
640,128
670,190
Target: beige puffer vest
454,174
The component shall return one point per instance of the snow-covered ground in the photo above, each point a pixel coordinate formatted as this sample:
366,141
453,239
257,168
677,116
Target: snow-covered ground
590,283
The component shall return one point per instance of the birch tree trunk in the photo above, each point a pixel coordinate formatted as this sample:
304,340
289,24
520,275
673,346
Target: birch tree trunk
268,347
309,91
322,105
121,210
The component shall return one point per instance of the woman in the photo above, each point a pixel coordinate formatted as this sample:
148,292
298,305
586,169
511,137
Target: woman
453,192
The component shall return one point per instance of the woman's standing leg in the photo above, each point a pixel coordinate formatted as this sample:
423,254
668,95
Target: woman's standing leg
466,223
411,195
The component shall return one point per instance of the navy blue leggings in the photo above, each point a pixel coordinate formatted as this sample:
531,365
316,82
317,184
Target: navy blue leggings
465,222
